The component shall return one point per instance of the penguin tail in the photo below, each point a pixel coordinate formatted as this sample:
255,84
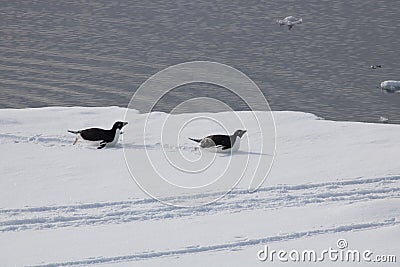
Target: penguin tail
74,132
195,140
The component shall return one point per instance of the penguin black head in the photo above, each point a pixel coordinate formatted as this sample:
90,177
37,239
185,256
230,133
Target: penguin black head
240,133
119,125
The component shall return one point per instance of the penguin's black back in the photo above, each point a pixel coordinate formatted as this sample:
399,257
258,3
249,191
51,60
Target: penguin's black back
225,141
97,134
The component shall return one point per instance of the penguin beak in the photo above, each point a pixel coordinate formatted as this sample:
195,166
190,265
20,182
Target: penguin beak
242,132
124,123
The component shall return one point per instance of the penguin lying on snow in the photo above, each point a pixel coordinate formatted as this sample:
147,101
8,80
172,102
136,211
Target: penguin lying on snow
100,137
221,143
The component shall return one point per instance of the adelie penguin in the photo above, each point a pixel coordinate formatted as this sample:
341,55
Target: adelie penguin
100,137
374,67
221,143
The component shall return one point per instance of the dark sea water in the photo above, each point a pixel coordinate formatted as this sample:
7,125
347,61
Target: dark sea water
97,53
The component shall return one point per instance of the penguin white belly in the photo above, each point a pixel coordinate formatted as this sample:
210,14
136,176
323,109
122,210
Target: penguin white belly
234,148
88,142
236,145
116,137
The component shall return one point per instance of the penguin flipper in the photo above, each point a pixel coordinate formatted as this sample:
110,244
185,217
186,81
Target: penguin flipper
102,145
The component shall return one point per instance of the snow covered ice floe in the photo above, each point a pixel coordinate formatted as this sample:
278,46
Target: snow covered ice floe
76,205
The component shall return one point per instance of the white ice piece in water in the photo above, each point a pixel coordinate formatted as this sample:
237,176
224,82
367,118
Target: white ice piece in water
289,21
391,86
383,119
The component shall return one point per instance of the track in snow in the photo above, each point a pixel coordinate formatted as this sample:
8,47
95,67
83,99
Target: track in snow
67,140
224,246
53,217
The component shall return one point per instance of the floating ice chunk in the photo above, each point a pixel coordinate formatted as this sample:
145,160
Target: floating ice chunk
391,86
289,21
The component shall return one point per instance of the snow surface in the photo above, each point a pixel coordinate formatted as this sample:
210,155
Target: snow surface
65,205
